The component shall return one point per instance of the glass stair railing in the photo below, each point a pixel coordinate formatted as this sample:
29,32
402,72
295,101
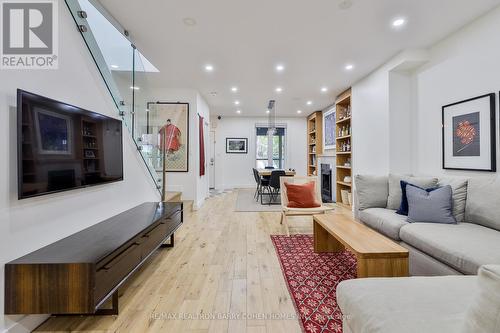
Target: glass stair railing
125,72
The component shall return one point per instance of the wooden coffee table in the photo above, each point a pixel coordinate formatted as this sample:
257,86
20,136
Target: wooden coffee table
377,255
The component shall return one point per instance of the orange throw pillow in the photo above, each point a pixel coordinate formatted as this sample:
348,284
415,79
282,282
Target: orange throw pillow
302,196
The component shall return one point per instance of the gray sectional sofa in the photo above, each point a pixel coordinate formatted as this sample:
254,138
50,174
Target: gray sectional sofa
463,302
436,249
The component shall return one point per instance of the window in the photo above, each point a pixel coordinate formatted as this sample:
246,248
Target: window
270,153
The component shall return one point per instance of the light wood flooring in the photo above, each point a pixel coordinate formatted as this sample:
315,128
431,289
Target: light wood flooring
223,264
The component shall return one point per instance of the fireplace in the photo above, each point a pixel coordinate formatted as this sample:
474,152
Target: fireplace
326,183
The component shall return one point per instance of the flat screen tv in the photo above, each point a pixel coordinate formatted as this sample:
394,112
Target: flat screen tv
63,147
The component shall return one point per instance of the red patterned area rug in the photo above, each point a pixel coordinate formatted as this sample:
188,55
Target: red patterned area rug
312,281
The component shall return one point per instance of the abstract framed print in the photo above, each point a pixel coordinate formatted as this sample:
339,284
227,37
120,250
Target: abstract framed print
469,134
329,141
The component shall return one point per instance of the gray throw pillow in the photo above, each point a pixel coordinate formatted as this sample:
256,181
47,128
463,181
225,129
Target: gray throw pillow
459,187
432,207
395,193
371,191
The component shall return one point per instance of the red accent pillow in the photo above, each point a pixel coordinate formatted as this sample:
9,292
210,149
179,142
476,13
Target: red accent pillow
302,196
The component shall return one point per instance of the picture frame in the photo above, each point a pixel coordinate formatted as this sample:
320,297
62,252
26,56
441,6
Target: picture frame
329,122
54,132
469,134
169,121
236,145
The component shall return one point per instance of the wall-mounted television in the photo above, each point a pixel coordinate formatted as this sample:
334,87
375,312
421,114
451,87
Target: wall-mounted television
63,147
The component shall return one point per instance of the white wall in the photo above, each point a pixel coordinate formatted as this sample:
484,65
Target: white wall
397,108
382,107
29,224
235,170
464,65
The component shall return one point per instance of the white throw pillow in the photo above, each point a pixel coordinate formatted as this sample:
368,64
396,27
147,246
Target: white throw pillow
484,313
459,187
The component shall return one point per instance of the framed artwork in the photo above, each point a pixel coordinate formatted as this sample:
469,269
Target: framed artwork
329,129
469,135
170,123
236,145
54,132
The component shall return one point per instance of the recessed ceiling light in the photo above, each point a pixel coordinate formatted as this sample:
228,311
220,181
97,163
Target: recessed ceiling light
134,87
189,21
280,68
299,111
209,68
236,102
114,66
238,111
309,102
324,89
349,67
279,89
267,111
234,89
399,22
345,4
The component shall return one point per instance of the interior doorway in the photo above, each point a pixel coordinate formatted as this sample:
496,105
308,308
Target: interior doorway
212,160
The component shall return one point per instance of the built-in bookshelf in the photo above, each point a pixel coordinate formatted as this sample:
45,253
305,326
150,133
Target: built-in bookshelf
90,150
314,141
344,148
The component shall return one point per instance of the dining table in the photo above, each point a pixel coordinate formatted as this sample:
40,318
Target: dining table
267,172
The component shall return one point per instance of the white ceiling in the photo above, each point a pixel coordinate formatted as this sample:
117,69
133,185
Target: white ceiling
245,40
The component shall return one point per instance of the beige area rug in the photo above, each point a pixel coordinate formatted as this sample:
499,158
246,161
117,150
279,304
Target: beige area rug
245,202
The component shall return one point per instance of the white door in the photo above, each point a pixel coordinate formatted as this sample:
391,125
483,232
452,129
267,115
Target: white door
212,160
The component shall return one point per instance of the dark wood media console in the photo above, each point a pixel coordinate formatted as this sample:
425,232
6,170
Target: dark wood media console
77,274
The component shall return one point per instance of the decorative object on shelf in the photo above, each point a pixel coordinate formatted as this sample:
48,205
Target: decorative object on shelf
329,121
174,134
347,179
89,154
236,145
469,135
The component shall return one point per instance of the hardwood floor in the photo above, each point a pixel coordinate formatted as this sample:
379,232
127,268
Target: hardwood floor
223,275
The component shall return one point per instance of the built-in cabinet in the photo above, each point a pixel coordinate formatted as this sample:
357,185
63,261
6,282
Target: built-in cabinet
343,140
314,141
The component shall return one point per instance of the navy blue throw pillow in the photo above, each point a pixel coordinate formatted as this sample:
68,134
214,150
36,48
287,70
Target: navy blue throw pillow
403,208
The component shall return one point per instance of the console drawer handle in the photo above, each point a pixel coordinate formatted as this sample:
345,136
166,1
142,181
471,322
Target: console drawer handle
152,230
110,264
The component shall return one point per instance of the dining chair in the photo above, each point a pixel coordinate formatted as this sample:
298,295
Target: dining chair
290,211
275,184
262,184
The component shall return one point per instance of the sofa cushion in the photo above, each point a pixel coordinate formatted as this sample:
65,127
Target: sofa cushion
431,206
484,313
483,198
459,187
410,305
395,193
371,191
464,246
383,220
